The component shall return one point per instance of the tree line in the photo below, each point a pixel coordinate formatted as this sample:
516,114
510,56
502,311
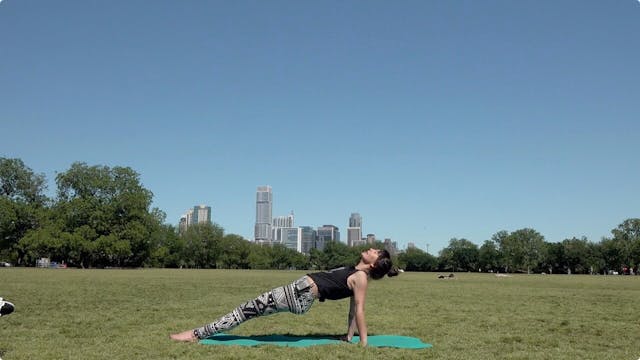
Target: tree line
526,251
101,217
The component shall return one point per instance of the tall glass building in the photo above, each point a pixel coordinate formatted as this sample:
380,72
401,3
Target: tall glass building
326,233
264,208
354,231
307,239
201,214
291,238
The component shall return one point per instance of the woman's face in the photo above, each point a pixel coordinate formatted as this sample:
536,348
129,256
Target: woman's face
370,256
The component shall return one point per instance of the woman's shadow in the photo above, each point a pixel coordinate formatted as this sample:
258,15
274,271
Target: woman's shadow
283,339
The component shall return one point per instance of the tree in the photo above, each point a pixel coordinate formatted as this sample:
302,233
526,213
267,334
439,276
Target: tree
577,255
337,254
259,258
522,249
414,259
22,205
166,247
611,253
554,260
627,240
105,211
235,252
460,255
20,184
488,256
202,245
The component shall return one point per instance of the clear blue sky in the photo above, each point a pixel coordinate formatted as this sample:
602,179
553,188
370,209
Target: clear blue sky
432,119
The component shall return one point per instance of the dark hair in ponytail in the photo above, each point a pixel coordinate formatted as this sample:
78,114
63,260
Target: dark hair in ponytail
383,266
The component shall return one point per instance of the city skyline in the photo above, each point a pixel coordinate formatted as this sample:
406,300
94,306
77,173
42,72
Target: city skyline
282,229
455,119
303,238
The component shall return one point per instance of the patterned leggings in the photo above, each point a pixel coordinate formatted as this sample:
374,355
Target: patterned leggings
296,298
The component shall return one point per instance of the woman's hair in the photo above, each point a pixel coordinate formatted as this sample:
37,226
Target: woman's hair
383,266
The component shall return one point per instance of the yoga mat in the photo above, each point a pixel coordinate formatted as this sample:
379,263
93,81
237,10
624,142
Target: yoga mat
393,341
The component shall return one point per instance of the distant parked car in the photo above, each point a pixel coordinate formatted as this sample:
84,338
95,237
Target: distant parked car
4,264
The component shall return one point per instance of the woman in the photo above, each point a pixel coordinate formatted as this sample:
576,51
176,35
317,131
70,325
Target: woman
298,297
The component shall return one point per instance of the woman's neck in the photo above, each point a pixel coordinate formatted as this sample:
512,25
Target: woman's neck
362,266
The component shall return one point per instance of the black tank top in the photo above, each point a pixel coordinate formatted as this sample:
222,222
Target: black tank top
332,284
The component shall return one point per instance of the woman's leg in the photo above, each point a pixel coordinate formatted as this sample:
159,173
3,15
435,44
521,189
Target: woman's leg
295,298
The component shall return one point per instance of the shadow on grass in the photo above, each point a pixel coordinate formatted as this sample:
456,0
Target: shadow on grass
289,338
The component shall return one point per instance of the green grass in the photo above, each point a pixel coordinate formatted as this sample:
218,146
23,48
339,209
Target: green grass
128,314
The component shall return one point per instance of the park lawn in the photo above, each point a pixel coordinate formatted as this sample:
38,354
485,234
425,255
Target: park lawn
128,314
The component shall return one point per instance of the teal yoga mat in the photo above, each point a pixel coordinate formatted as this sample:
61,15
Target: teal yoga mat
394,341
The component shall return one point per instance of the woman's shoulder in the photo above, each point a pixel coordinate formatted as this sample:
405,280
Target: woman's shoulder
360,277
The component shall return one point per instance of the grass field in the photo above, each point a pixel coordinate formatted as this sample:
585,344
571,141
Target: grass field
128,314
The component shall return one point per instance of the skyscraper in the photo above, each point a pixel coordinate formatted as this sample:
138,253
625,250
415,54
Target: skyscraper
201,214
355,220
354,231
264,208
279,226
291,238
326,233
307,239
284,221
371,239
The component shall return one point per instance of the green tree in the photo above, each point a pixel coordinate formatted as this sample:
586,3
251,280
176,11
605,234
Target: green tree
522,249
202,245
337,254
166,247
23,206
106,212
554,261
489,256
459,255
626,238
235,252
415,259
612,254
500,238
19,183
259,257
577,255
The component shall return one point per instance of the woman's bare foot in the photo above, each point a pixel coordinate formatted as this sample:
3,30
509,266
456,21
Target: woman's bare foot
184,336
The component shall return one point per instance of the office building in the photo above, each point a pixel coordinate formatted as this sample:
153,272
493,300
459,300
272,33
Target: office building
264,208
391,246
326,233
201,214
279,223
307,239
371,239
353,236
283,221
291,238
354,231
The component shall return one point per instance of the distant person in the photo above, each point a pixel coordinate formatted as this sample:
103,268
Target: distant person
298,297
6,307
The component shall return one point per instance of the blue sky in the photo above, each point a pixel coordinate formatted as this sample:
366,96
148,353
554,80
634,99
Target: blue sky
432,119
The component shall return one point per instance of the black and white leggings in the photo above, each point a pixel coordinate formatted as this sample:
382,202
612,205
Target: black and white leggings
296,298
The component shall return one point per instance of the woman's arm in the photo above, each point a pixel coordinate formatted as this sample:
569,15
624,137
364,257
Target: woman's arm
351,323
359,295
